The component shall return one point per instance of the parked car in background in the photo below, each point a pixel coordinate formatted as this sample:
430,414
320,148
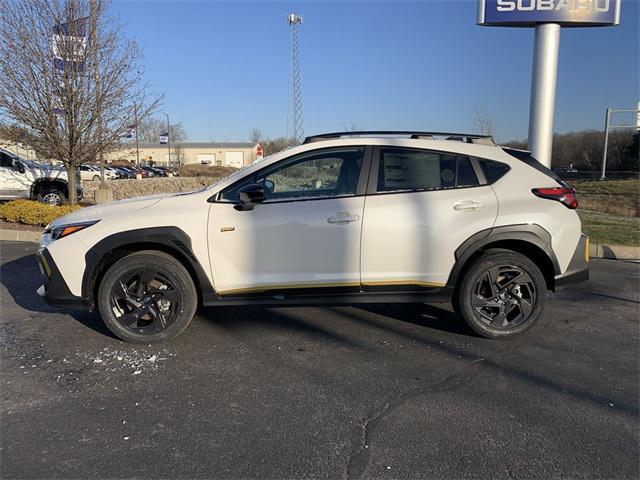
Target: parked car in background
159,171
344,218
89,172
150,171
125,172
112,173
21,178
92,172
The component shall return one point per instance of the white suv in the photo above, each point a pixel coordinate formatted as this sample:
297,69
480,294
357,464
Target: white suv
22,178
345,218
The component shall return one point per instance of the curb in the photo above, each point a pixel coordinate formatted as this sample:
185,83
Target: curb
20,235
614,252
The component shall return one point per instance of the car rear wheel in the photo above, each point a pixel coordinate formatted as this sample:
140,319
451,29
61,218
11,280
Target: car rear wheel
147,297
502,294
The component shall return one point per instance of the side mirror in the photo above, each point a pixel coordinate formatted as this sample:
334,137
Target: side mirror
18,166
269,185
249,197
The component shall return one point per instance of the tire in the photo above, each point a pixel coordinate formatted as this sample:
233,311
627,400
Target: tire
51,196
501,295
135,306
96,178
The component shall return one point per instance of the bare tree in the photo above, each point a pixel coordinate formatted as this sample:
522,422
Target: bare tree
483,121
151,128
69,78
353,127
256,136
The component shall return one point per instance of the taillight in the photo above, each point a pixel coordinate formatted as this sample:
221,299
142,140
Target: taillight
565,195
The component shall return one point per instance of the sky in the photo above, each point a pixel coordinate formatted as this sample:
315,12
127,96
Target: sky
379,65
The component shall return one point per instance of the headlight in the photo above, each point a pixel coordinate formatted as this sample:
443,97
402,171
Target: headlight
62,231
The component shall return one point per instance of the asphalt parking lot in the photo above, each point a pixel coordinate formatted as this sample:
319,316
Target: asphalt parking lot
397,391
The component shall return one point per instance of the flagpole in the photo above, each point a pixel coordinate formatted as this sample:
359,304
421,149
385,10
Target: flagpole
135,113
168,138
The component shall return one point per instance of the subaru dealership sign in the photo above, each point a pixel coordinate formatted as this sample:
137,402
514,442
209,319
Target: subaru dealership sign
567,13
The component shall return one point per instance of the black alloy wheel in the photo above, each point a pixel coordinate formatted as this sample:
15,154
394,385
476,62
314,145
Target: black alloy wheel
147,297
501,294
145,301
504,296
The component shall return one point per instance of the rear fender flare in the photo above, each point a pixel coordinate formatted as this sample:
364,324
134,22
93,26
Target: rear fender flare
529,233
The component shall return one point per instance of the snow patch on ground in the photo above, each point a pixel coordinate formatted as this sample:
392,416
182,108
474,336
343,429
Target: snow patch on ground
116,360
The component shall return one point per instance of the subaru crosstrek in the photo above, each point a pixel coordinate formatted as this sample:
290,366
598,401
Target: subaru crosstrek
344,218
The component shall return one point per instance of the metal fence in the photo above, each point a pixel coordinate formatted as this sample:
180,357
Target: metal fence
589,175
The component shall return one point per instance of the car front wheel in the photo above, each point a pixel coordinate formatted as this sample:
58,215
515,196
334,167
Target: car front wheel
147,297
502,294
52,196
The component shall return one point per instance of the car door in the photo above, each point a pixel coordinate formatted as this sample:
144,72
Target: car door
421,206
306,234
14,180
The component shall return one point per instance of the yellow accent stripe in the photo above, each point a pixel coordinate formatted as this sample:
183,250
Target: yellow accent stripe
403,282
264,288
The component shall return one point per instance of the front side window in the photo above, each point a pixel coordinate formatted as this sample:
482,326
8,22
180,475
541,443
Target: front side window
404,169
332,173
5,160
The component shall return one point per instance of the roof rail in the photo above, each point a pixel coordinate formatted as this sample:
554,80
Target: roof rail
462,137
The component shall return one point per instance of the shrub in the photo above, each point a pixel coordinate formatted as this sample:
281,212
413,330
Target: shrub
33,213
214,171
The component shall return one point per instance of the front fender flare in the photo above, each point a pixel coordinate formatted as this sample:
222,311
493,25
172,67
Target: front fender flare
172,238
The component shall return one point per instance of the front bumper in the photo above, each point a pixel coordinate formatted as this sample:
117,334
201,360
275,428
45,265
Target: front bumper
578,270
54,289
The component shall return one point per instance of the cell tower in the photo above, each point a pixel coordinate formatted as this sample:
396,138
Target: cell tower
296,81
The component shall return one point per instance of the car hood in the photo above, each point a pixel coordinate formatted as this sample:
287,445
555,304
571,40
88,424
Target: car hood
100,212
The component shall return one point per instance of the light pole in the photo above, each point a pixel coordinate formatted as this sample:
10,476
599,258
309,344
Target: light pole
168,137
135,114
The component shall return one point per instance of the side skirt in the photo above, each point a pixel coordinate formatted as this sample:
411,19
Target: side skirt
436,295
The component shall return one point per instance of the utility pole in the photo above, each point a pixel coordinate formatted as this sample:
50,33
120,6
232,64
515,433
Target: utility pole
296,80
135,114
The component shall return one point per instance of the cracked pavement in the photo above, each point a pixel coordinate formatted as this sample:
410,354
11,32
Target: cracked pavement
381,391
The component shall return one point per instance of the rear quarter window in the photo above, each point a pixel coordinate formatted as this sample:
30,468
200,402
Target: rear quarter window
493,171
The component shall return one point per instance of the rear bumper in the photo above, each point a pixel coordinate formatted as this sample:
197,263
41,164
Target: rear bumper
578,270
54,289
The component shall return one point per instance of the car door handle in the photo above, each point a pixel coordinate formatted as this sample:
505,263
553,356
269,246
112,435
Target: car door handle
467,205
343,217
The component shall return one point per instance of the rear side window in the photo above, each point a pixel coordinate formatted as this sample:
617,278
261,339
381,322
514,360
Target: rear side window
404,169
532,162
493,171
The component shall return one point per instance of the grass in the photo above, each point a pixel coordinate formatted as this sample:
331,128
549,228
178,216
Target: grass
617,197
609,229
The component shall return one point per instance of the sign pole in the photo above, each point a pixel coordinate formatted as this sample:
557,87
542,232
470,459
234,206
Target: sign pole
543,91
606,144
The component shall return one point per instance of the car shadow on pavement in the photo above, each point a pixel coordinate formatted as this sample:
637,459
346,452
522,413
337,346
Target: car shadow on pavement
21,277
246,319
431,316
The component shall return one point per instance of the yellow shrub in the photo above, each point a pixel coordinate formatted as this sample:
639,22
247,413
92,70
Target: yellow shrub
33,213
